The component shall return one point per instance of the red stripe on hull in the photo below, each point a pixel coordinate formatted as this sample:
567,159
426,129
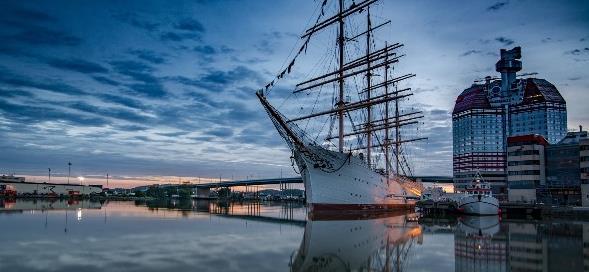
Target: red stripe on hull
358,211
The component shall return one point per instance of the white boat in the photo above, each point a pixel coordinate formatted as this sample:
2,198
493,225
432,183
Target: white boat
478,199
349,175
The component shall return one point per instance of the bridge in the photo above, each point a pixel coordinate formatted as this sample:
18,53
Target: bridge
203,189
233,183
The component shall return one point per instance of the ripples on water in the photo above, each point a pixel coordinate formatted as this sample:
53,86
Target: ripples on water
206,236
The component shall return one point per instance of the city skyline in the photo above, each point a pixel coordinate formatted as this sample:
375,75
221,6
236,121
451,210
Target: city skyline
167,89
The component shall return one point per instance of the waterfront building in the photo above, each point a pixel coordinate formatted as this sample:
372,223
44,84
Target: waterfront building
563,175
27,188
526,167
487,113
538,171
584,170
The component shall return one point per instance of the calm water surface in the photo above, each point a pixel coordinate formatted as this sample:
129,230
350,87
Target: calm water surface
204,236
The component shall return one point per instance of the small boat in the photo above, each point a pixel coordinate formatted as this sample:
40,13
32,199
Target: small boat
478,198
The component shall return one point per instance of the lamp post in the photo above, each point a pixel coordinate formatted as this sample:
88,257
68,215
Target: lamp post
69,171
49,174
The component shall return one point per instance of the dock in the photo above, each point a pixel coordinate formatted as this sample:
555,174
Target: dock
513,210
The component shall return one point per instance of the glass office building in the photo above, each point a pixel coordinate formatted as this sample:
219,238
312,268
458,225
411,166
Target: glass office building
486,114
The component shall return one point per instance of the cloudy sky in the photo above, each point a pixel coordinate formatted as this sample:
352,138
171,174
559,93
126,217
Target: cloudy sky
142,88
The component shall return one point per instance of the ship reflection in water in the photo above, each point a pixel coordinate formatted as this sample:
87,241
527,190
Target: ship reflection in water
378,242
190,235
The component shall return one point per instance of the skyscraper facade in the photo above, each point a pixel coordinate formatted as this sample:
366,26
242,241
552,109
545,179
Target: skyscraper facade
487,113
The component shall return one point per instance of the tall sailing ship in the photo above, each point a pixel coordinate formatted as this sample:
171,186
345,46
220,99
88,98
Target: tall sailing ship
360,165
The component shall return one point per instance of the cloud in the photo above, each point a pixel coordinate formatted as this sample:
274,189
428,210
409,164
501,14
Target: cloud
117,113
504,41
148,55
173,134
271,40
206,53
178,36
497,6
31,15
142,138
122,100
149,89
15,93
22,27
438,115
15,80
228,77
77,65
35,114
130,128
37,35
578,52
212,80
185,29
136,20
105,80
205,50
189,24
145,82
220,132
470,52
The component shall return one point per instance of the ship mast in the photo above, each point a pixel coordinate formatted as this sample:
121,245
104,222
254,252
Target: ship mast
340,103
386,118
368,93
397,136
379,58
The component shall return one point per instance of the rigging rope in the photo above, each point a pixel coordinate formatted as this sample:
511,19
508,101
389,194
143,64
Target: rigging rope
288,69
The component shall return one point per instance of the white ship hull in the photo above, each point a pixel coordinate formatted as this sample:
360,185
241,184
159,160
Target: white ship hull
483,205
335,180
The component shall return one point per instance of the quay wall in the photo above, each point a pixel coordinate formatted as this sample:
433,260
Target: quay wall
33,188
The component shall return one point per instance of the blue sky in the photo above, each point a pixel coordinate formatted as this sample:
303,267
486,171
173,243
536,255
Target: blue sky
167,88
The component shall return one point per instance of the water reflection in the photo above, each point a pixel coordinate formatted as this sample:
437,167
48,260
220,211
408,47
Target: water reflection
379,242
20,204
487,244
479,244
180,235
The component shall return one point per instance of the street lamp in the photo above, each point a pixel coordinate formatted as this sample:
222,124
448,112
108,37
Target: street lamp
81,179
69,171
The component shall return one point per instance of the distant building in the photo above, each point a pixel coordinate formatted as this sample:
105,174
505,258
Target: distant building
486,114
25,188
540,172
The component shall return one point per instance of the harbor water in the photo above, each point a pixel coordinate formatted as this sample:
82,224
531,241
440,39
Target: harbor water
190,235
